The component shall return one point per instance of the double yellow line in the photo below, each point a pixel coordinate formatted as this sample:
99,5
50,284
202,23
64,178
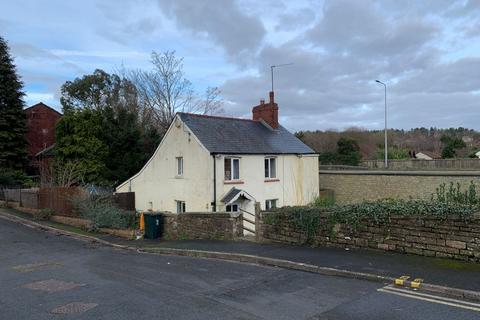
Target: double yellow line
430,298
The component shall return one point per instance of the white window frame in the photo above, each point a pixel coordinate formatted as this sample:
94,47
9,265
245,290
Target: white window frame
232,161
268,168
179,166
231,207
181,206
270,204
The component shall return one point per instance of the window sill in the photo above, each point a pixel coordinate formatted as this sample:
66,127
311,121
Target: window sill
178,177
233,182
272,180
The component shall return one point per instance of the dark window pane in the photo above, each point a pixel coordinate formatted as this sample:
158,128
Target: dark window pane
267,168
273,168
236,169
228,169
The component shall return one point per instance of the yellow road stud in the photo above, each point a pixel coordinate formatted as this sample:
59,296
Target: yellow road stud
416,283
401,281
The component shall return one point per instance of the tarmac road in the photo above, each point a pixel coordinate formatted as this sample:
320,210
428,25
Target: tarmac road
43,276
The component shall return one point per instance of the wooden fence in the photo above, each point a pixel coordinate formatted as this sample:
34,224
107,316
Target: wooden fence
125,200
59,199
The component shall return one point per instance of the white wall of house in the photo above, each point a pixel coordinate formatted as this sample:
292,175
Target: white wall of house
157,186
296,181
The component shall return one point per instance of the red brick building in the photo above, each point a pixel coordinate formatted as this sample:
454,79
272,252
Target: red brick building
41,122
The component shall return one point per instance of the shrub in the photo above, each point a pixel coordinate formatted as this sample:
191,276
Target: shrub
310,219
104,214
43,214
323,202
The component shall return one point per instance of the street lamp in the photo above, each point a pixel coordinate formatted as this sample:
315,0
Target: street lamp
386,140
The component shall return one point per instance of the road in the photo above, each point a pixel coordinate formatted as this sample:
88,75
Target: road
44,276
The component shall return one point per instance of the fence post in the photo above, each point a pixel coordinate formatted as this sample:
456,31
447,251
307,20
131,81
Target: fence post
258,224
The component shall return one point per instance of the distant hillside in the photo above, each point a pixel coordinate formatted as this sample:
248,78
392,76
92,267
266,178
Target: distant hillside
400,141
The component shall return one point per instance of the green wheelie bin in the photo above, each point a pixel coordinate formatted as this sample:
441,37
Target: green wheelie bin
153,225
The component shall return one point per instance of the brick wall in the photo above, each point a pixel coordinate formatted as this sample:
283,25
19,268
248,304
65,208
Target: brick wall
356,186
206,226
453,238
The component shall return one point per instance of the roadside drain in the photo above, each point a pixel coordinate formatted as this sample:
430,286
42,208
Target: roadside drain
52,285
37,266
74,307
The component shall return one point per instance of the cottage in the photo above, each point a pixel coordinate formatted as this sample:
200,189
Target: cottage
211,163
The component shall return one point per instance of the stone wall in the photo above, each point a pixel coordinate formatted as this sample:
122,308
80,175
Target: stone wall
359,185
206,226
437,164
453,238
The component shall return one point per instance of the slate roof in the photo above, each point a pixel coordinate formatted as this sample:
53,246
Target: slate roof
222,135
230,195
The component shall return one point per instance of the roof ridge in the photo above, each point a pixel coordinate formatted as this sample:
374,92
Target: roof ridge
45,105
216,117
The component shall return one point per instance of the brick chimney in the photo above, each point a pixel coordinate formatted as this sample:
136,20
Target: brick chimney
267,112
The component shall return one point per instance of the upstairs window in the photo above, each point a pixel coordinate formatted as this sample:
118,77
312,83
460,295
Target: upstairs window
232,169
270,168
179,165
181,208
270,204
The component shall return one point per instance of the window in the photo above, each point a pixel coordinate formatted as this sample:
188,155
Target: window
232,208
270,204
181,206
232,169
270,168
179,161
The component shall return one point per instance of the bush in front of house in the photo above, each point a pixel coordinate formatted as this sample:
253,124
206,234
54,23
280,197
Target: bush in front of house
104,214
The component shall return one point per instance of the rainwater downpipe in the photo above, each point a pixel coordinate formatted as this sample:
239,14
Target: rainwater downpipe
214,202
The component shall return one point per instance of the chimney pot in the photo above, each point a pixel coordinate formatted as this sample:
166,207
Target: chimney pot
267,112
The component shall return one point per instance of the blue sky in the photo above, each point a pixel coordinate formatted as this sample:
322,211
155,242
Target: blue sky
428,52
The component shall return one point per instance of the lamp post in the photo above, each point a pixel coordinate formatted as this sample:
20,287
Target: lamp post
386,140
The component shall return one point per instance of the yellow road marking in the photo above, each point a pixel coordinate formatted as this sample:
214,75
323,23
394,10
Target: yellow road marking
431,298
401,281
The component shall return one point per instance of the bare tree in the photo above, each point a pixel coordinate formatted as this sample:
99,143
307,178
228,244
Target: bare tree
60,174
164,91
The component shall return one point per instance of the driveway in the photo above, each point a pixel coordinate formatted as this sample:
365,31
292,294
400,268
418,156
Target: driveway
54,277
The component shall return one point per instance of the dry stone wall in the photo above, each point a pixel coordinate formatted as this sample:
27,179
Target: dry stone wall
453,238
206,226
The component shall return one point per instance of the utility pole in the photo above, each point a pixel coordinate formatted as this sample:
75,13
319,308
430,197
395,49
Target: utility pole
386,139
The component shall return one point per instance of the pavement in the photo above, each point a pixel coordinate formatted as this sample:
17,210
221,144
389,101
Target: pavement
442,272
47,275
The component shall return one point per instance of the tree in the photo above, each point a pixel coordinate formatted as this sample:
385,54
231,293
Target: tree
348,152
13,153
79,139
451,144
102,128
164,91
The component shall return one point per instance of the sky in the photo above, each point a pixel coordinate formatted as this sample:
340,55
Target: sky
427,52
